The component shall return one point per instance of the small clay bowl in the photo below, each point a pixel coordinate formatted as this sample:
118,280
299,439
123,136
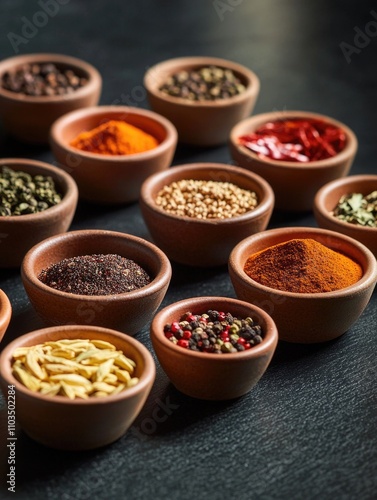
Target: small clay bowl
204,242
205,123
327,198
5,313
29,118
112,178
207,375
126,312
19,233
306,317
295,184
78,424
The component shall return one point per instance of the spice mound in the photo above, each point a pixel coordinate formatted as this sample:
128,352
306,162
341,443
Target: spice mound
115,137
75,368
207,83
302,266
214,332
297,140
205,199
358,209
42,80
98,274
22,193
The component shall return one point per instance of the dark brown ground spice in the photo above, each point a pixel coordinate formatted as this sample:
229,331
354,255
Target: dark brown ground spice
96,274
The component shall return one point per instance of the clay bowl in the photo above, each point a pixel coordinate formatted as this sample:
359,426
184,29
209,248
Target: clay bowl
29,118
109,178
306,317
294,184
327,198
78,424
5,313
126,312
207,375
201,123
19,233
205,242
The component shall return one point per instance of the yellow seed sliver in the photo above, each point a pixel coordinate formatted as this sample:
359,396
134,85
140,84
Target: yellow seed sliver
103,370
58,359
80,392
58,368
26,378
100,394
102,344
72,342
67,390
125,363
72,378
123,375
119,388
31,363
64,353
20,352
50,389
132,382
87,371
102,386
111,378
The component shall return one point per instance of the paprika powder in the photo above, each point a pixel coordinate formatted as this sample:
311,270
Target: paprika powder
302,266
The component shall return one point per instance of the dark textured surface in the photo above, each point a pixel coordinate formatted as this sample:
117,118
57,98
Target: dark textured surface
308,429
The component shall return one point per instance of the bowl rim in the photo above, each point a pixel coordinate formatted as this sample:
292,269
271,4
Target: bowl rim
145,379
265,204
5,311
368,278
160,280
93,75
252,87
269,341
349,149
70,117
324,191
68,183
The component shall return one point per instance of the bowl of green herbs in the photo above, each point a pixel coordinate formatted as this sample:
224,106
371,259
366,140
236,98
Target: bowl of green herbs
349,205
37,200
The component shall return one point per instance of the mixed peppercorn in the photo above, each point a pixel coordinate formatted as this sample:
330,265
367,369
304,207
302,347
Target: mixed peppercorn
214,332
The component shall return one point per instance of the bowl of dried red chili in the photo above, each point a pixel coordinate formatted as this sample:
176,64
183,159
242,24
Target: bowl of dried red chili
297,152
314,283
349,206
213,348
96,277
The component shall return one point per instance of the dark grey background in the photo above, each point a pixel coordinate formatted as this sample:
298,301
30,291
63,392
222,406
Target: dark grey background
308,429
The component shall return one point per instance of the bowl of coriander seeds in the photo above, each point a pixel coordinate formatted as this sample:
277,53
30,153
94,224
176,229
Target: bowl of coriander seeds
37,200
197,213
203,96
349,206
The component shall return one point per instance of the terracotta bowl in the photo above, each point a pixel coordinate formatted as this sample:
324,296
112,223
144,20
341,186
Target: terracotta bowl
127,312
294,184
110,178
29,118
206,123
5,313
327,198
306,317
78,424
19,233
205,242
213,376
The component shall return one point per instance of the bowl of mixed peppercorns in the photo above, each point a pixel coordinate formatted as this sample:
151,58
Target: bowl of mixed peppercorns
297,152
349,206
96,277
203,96
197,213
213,348
35,89
37,200
5,313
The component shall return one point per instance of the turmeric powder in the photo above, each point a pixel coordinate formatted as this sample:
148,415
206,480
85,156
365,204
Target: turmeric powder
115,137
302,266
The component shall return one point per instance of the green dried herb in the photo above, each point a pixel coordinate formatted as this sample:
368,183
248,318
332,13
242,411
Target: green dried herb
22,193
356,208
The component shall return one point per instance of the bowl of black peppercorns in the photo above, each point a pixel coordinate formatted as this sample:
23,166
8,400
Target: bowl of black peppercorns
36,89
37,200
204,97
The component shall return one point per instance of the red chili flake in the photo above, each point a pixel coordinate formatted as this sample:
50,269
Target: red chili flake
296,139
